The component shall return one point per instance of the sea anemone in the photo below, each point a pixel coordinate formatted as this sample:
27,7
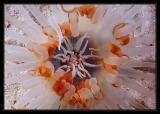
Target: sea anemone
80,57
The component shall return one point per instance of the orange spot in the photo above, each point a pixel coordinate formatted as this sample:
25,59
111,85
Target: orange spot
50,48
115,50
83,103
87,85
52,43
65,28
124,40
80,85
50,32
114,85
44,71
47,34
67,77
110,68
61,85
74,99
36,54
87,10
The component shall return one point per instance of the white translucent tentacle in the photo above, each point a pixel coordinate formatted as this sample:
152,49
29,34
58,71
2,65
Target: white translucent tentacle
138,75
64,66
73,19
69,43
30,96
99,13
29,21
77,72
90,56
84,48
84,70
17,53
90,65
18,37
60,55
59,58
132,12
25,28
73,71
135,86
59,14
79,43
64,50
53,22
38,15
89,75
70,52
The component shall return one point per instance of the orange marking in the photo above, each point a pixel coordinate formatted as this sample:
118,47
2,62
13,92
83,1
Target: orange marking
110,68
123,40
66,30
47,34
52,43
61,88
44,71
87,10
83,103
115,50
50,48
67,77
80,85
61,85
116,29
36,54
74,99
87,85
83,84
114,85
50,32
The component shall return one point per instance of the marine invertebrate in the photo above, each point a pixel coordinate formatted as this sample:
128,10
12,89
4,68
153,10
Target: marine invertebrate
81,56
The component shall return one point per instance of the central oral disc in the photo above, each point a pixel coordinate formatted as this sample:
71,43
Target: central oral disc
73,57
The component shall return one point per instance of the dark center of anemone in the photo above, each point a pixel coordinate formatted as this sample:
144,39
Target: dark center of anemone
76,57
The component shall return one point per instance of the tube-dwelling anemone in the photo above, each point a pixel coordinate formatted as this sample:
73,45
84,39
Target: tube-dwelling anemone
79,57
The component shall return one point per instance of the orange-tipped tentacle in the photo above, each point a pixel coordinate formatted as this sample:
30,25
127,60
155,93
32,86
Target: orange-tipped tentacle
122,39
87,10
66,30
61,86
114,49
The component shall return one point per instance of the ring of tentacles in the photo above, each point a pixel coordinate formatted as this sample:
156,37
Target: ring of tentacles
71,59
75,60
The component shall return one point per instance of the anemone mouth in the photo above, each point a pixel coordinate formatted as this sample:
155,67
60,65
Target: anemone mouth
78,57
